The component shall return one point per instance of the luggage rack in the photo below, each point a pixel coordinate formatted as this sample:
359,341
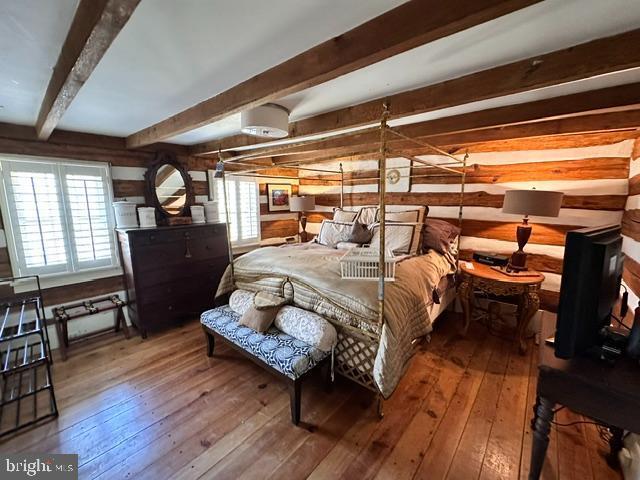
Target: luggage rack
27,396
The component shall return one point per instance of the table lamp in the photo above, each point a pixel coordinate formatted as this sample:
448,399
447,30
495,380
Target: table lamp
529,202
302,204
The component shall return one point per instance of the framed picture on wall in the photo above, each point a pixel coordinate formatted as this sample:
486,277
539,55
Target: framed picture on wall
278,196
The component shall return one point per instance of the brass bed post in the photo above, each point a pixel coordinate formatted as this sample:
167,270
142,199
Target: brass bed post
382,177
226,214
341,186
464,176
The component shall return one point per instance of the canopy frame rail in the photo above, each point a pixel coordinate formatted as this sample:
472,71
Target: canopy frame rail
382,154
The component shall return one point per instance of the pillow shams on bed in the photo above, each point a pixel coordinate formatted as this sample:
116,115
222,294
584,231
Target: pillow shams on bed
307,327
367,215
332,233
440,236
340,215
406,216
400,238
240,301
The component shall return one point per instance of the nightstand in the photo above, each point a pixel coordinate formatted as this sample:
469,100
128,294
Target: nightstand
523,291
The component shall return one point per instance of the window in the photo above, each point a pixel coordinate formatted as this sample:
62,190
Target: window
58,216
244,208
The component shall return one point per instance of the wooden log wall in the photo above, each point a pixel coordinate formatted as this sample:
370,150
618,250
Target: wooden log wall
631,229
595,180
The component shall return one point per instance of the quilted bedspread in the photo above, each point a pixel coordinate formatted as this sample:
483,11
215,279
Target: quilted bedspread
310,274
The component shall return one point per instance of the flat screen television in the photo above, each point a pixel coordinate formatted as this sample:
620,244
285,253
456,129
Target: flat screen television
590,286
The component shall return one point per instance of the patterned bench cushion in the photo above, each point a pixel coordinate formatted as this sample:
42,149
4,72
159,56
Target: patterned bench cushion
275,348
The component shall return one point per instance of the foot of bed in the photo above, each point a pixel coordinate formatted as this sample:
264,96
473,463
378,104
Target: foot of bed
380,407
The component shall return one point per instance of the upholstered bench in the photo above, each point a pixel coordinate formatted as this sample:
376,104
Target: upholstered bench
287,357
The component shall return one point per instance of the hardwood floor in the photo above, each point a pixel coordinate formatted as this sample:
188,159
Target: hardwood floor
161,409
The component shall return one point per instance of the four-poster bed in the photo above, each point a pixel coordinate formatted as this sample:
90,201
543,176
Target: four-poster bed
375,338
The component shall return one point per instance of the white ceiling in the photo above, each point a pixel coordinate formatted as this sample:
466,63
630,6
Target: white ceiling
31,35
172,55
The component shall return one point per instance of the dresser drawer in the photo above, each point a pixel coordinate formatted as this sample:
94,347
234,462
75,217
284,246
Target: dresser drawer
172,235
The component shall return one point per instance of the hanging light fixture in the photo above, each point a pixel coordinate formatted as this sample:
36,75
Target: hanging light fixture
268,120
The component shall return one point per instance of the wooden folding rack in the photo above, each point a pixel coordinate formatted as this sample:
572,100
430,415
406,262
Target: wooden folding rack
64,313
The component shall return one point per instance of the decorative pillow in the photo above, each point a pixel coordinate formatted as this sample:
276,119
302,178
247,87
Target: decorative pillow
258,320
307,327
332,233
240,301
266,300
439,235
405,216
401,238
360,233
367,215
340,215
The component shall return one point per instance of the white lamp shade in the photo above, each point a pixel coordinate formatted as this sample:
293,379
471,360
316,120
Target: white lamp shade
268,120
541,203
302,204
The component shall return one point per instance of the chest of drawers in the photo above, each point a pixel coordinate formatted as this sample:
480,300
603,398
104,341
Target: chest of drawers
171,273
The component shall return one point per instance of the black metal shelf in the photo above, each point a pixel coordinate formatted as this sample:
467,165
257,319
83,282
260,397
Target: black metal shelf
26,387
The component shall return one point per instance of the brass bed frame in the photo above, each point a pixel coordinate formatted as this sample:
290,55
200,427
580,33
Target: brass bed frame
356,350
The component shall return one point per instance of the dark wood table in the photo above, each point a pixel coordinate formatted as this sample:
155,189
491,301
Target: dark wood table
607,394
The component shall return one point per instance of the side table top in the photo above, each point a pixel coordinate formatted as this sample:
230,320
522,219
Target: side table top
485,271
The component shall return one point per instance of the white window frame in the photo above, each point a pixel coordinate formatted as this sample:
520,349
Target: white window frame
60,275
215,184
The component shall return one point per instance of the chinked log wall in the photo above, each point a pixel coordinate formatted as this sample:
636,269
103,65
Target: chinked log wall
594,179
631,228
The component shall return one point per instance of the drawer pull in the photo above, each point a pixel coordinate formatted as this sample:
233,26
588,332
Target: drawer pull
187,252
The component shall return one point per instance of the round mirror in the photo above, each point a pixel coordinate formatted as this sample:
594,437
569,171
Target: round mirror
171,190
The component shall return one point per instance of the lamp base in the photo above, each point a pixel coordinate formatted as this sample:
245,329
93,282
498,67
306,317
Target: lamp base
518,261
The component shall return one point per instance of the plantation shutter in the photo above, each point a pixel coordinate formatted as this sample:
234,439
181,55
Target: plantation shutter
244,209
60,216
88,210
37,216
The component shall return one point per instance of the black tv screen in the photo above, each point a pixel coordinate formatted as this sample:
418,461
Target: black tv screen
591,275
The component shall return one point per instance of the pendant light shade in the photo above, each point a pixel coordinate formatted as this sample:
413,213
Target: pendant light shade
267,120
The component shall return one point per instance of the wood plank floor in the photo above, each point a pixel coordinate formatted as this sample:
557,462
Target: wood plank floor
161,409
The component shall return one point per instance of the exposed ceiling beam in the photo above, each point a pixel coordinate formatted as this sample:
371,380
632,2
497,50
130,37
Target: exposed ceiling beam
574,63
408,26
598,57
95,25
611,104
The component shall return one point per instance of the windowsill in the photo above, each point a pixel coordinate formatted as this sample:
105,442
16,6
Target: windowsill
61,280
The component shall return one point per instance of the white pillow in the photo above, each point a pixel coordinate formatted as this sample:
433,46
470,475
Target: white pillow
340,215
332,233
241,300
406,216
307,327
401,238
367,215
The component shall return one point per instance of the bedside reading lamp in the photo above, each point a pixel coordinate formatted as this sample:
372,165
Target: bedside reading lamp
302,204
529,202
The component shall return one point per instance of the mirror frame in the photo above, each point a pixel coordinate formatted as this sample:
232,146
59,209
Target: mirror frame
151,199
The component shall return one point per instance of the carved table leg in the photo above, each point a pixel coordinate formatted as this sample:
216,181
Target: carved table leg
529,305
465,291
542,426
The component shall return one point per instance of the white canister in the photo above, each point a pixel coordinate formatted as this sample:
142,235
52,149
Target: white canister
147,217
211,211
197,214
125,214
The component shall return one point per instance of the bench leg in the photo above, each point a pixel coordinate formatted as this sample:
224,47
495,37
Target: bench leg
294,393
210,343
